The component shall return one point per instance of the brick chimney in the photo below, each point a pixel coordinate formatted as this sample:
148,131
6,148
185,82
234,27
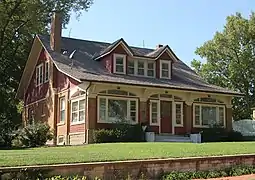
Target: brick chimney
55,32
159,46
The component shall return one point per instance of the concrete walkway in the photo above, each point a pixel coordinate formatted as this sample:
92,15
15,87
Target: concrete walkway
245,177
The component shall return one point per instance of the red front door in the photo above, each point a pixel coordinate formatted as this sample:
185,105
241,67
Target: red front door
166,116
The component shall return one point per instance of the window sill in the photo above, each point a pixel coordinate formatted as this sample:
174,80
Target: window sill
76,123
112,122
197,126
153,124
178,125
60,123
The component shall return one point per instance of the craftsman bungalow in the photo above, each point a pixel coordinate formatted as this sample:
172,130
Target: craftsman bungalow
78,85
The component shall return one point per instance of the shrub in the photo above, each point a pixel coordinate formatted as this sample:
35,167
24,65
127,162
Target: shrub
34,135
218,134
119,133
6,132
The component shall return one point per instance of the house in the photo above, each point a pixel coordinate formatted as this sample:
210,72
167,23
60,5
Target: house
77,86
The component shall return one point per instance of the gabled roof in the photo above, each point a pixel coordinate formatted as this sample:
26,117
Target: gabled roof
85,68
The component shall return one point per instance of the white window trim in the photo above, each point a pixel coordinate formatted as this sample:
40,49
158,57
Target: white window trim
200,117
38,74
158,113
116,98
115,56
77,100
174,112
169,68
62,122
46,80
145,68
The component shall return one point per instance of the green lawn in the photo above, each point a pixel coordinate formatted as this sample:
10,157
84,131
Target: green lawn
119,151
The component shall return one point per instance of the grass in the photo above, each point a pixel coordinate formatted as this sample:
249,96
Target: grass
119,151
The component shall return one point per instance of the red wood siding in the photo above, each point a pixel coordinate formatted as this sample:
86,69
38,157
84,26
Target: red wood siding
34,93
107,62
77,128
164,56
179,130
62,81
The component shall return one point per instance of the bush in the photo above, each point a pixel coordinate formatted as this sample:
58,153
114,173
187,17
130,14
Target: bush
6,132
119,133
234,171
34,135
218,134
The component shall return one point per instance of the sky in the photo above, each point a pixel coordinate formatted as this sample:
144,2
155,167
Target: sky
184,25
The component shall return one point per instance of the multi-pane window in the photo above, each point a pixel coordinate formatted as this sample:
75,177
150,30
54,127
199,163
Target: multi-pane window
131,67
112,109
62,109
39,74
46,69
178,113
120,63
140,68
78,111
208,115
150,69
154,112
165,69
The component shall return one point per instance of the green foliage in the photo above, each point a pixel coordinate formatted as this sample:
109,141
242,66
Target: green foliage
20,20
119,133
34,135
6,132
218,134
230,60
233,171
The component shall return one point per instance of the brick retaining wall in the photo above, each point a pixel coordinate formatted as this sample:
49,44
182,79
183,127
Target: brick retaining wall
150,168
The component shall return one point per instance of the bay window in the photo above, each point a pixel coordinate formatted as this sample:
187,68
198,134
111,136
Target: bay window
119,63
117,109
206,115
78,111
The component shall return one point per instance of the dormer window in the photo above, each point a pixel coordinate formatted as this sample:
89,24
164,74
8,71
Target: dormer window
165,69
119,63
140,68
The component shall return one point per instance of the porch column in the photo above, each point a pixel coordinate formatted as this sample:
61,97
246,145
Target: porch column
91,115
229,117
188,117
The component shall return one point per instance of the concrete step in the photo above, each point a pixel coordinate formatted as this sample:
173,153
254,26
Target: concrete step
171,138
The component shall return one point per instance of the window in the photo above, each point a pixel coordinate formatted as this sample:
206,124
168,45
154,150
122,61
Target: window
61,140
208,115
131,67
112,109
46,74
140,67
165,69
117,92
39,74
178,113
78,111
62,109
154,112
119,63
150,69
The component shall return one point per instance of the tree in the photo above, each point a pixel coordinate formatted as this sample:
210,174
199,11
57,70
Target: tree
230,61
20,20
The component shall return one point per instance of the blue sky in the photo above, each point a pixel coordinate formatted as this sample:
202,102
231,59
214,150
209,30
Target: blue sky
182,24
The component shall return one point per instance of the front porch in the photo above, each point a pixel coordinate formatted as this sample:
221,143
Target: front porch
164,111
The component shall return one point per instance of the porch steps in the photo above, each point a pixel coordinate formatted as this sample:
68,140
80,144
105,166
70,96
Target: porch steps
171,138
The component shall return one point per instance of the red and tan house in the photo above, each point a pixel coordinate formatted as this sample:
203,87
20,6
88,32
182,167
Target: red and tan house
77,86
